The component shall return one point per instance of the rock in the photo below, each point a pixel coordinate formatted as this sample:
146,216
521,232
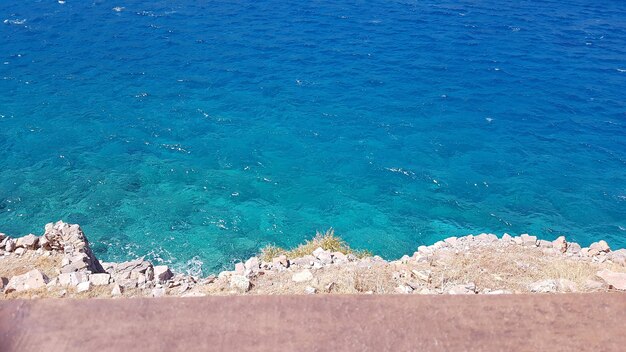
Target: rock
593,285
573,248
302,276
252,264
240,283
423,275
499,292
404,289
507,238
451,241
3,282
339,258
560,245
544,244
528,240
613,279
77,253
325,258
33,279
162,273
599,247
518,240
158,292
618,256
544,286
101,279
310,290
83,286
9,246
28,241
240,268
117,290
20,251
281,261
567,286
465,289
53,282
72,279
328,288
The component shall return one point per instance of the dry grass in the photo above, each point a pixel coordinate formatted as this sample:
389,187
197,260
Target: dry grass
327,241
17,265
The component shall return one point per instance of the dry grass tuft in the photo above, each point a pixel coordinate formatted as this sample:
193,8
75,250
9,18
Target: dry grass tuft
17,265
327,241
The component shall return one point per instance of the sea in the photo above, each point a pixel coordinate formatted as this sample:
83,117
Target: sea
195,133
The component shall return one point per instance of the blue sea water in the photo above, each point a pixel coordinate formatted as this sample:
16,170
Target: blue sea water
196,132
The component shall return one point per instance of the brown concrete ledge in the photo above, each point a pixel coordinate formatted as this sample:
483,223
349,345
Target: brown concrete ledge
565,322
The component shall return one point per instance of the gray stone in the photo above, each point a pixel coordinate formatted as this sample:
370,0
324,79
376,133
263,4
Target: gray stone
310,290
33,279
281,261
544,286
302,276
162,273
28,241
618,256
100,279
240,283
614,279
20,251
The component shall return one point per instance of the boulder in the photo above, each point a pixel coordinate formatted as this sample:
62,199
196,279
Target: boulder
507,238
3,283
599,247
302,276
544,286
33,279
463,289
310,290
72,279
28,242
560,245
618,256
162,273
528,240
157,292
281,261
117,290
573,248
613,279
252,264
9,245
240,283
404,289
423,275
83,286
100,279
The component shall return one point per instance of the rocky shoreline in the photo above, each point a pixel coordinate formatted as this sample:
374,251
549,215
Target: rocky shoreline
60,263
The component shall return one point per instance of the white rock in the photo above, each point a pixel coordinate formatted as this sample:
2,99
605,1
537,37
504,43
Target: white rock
9,246
28,241
117,290
240,283
252,264
33,279
162,273
100,279
20,251
613,279
302,276
158,292
544,286
310,290
83,286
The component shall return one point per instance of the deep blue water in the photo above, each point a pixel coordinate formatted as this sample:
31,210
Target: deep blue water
198,133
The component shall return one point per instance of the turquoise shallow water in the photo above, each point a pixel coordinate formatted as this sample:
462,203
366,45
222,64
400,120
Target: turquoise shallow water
196,134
